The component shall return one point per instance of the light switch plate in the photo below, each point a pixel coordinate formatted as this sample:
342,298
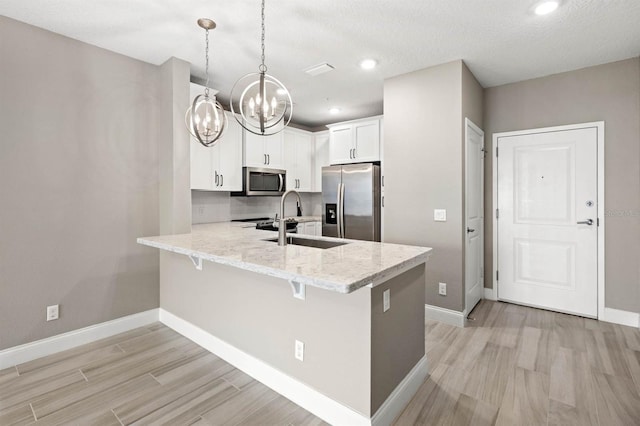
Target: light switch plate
440,215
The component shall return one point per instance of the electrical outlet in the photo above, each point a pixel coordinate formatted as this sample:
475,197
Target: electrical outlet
440,215
299,352
52,312
386,300
442,289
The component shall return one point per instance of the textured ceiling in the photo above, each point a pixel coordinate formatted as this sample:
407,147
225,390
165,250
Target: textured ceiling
501,41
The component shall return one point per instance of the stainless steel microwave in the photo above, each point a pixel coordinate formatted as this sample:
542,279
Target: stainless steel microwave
259,181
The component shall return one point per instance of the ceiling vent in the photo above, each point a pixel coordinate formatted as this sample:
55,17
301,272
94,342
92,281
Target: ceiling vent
319,69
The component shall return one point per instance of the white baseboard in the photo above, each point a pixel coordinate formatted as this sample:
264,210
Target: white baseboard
617,316
61,342
308,398
447,316
401,395
490,294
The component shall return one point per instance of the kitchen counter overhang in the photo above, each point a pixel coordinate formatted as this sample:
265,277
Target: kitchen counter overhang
342,269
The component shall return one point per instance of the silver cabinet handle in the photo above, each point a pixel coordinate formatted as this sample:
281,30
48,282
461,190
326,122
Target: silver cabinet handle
354,153
221,179
268,158
470,230
585,222
215,179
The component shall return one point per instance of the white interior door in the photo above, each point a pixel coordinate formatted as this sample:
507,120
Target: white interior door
474,202
548,217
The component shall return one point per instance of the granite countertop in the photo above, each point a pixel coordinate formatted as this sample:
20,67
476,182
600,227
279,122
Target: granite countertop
342,269
302,219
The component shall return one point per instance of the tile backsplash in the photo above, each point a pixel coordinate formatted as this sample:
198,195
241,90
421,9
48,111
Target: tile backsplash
209,206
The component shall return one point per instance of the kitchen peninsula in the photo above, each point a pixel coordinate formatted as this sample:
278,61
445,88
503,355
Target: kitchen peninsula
262,307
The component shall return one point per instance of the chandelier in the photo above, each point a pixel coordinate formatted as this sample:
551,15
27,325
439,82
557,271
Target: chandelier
264,101
205,118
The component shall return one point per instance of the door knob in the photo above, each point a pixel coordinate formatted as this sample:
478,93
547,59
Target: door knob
586,222
469,230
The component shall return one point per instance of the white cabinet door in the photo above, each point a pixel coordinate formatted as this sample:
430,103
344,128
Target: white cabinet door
254,155
273,149
304,161
341,145
264,151
218,168
298,159
229,157
321,159
366,141
318,226
290,160
355,142
201,166
310,228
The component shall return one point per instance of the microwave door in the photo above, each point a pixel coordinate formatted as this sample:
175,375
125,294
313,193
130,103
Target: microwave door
331,182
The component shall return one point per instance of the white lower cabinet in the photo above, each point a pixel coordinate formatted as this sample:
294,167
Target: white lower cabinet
218,168
298,159
310,228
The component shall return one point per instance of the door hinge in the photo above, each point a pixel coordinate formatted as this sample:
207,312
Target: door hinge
497,275
497,213
496,151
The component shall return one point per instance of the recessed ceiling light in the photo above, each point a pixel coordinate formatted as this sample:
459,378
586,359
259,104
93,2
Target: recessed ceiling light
368,64
546,7
334,110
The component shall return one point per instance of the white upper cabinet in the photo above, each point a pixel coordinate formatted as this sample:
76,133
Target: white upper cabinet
298,155
355,141
321,140
218,168
264,151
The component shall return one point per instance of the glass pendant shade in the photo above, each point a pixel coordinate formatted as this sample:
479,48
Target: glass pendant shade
263,105
205,119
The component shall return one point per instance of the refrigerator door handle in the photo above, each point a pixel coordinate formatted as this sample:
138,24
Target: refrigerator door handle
341,233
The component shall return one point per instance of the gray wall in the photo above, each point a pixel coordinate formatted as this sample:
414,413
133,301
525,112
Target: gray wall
346,337
78,183
609,92
424,168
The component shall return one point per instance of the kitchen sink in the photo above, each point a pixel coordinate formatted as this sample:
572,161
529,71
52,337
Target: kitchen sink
321,244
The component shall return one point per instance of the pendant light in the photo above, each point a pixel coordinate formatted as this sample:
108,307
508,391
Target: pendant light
264,101
205,118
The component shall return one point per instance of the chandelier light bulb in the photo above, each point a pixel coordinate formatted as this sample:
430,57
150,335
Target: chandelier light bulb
546,7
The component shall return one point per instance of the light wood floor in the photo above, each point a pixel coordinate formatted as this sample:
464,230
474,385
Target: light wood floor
513,365
522,366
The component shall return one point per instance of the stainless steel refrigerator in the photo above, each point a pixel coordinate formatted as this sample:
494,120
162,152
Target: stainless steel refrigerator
351,201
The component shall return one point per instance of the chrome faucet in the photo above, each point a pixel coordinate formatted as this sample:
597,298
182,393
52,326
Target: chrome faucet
282,226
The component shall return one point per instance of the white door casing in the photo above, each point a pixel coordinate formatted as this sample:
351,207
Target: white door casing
474,214
546,182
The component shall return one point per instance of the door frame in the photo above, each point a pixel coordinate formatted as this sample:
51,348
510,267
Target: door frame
599,125
468,123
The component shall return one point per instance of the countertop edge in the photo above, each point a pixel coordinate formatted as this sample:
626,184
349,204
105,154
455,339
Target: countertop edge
372,280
